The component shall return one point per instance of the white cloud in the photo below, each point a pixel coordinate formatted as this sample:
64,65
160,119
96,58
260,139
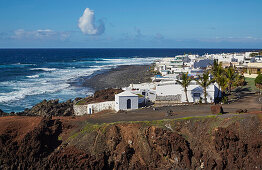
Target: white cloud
87,25
40,34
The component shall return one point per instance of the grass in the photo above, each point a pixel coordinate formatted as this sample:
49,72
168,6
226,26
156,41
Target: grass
197,117
60,138
90,127
81,102
140,95
251,84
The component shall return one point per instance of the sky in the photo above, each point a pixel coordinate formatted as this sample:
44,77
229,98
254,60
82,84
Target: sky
130,24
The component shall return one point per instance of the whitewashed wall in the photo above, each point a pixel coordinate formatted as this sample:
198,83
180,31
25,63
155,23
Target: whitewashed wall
95,107
98,107
121,102
178,90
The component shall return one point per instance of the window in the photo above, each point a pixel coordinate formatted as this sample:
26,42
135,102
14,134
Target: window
196,95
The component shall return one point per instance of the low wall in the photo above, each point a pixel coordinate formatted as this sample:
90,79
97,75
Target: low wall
167,103
250,75
98,107
172,98
80,109
94,107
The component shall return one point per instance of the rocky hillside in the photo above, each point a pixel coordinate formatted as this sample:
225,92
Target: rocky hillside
210,142
51,107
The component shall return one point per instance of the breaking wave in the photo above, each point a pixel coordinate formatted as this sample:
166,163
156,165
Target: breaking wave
53,80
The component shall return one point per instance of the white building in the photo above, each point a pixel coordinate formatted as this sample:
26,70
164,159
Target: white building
147,90
126,101
175,93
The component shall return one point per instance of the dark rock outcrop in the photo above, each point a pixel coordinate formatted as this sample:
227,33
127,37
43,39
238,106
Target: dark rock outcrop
187,145
236,153
51,107
2,113
241,111
101,96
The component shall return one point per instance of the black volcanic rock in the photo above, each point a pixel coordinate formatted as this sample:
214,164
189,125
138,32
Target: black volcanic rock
2,113
51,107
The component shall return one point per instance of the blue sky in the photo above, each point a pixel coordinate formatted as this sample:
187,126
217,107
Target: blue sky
131,24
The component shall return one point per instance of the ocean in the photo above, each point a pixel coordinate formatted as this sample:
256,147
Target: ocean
27,76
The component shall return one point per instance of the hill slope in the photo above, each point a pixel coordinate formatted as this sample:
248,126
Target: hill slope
208,142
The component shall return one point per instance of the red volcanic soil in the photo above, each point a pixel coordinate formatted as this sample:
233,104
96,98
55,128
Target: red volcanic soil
230,141
18,126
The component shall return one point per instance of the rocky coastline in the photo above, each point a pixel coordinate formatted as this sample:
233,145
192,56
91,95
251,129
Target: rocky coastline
121,76
49,136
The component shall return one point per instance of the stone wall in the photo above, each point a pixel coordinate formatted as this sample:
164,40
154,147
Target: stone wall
80,109
174,98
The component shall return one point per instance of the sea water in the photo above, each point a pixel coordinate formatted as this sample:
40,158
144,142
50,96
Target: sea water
27,76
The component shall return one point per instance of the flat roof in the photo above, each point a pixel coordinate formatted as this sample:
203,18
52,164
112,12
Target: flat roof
127,93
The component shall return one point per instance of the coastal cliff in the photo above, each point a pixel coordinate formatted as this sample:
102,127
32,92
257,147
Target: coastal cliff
206,142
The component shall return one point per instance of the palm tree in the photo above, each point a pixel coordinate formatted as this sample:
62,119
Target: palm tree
222,82
231,76
218,73
239,80
185,81
217,69
215,66
204,82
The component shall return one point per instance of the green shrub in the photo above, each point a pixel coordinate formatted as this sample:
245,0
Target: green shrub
224,100
258,80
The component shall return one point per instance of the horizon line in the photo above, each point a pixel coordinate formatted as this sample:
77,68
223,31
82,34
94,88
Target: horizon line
125,48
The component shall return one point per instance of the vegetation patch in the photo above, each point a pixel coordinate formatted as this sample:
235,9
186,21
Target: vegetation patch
90,127
197,117
251,84
81,102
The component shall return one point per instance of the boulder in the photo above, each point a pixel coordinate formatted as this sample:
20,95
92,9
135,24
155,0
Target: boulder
241,111
169,113
216,109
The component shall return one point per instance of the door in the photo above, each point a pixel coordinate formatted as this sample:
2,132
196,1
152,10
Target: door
196,97
128,105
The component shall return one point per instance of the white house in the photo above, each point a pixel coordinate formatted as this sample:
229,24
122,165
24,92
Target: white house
126,101
175,93
147,90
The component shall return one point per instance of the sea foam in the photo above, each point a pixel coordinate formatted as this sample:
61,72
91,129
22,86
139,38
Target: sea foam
44,69
56,82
